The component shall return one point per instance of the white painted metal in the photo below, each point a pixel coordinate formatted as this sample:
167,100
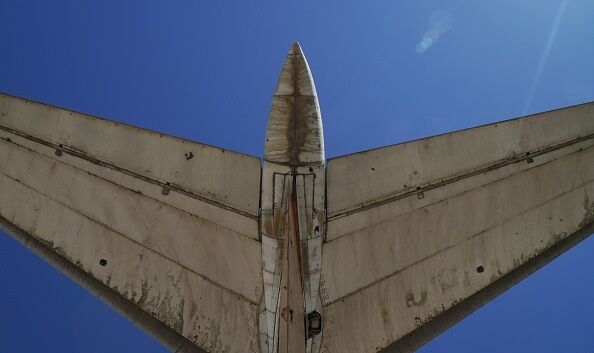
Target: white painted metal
293,210
213,174
176,236
174,248
394,170
432,229
294,135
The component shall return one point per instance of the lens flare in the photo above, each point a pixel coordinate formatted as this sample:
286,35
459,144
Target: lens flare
544,57
440,22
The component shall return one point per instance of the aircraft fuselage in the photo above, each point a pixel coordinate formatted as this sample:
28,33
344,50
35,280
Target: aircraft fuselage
293,213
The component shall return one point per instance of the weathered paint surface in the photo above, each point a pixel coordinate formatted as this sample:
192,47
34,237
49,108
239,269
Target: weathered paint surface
293,217
188,257
399,169
294,135
430,223
215,175
214,251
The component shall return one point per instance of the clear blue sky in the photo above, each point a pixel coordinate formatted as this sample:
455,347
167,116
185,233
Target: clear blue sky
386,72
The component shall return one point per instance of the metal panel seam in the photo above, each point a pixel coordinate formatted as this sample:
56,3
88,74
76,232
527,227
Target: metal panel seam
131,190
498,164
452,246
132,240
441,200
83,155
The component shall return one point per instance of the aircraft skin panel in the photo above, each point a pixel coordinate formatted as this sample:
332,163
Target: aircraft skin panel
293,217
428,194
390,171
161,192
398,272
165,334
430,262
211,250
444,223
226,178
184,301
192,264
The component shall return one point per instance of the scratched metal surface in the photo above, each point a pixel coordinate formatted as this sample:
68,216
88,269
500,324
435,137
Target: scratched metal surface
491,202
187,255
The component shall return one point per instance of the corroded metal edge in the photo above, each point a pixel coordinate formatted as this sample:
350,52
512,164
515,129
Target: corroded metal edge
161,332
425,333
